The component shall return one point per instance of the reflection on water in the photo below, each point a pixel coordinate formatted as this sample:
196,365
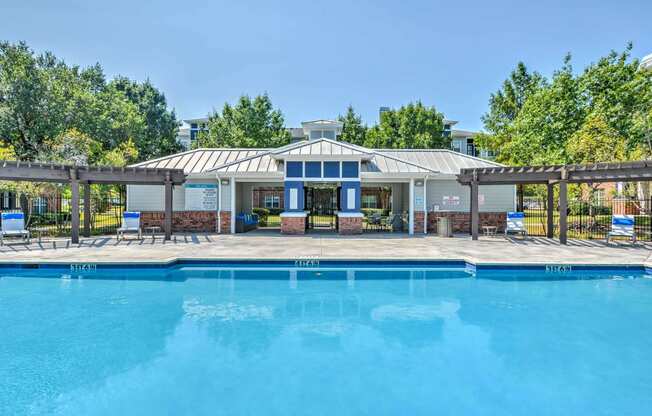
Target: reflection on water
338,342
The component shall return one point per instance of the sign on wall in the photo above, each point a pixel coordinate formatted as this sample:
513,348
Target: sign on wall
449,200
201,197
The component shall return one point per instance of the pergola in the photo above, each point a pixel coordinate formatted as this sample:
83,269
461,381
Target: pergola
551,175
87,175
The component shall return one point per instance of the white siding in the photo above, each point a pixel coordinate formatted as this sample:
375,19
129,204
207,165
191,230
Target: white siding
225,195
497,198
152,198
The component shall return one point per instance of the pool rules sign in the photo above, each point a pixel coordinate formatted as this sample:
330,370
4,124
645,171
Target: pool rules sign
201,197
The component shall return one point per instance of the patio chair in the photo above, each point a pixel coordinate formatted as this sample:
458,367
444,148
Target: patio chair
515,224
375,221
622,226
130,224
13,225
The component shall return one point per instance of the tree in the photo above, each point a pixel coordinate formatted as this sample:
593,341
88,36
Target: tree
250,123
30,102
161,125
41,98
353,131
505,105
72,147
412,126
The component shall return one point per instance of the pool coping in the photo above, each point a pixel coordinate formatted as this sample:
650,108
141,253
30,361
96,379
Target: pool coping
317,262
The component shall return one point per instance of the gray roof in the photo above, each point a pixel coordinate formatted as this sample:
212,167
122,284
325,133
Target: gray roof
201,160
322,147
443,161
262,161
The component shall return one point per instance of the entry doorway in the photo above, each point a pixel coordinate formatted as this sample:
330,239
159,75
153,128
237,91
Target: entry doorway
322,202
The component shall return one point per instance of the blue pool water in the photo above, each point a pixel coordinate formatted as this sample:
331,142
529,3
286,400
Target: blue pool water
211,341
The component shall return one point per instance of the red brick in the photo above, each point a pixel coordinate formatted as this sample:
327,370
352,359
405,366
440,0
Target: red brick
349,225
462,220
293,225
418,222
197,221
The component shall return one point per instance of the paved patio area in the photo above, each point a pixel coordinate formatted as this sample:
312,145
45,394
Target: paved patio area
268,245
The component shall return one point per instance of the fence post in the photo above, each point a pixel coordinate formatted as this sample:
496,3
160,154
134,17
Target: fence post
550,230
74,206
87,209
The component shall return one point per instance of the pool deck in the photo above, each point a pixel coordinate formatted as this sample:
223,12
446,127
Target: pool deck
269,245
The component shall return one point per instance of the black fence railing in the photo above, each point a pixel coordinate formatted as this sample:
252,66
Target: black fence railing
50,215
590,219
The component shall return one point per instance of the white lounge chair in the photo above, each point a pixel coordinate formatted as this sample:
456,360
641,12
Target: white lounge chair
130,224
516,224
13,225
622,226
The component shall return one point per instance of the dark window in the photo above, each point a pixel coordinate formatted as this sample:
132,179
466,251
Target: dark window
313,169
331,169
349,169
294,169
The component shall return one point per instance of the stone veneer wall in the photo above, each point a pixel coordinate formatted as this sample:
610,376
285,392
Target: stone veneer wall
349,225
198,221
293,225
462,220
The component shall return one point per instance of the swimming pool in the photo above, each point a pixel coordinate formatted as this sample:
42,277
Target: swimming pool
345,339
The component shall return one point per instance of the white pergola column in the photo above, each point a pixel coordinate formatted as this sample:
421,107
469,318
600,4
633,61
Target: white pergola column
411,209
425,205
233,213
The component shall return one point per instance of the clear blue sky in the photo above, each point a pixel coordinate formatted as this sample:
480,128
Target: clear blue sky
314,58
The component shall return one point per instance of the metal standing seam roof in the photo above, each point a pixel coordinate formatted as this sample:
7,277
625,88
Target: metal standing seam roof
444,161
263,161
322,147
201,160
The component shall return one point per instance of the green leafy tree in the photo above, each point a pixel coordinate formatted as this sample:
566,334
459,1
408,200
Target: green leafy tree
159,135
411,126
250,123
353,131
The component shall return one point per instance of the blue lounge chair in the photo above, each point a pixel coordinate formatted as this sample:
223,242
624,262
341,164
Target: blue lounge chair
13,225
622,226
130,224
516,224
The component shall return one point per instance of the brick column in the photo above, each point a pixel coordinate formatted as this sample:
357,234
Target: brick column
293,223
225,222
349,223
419,218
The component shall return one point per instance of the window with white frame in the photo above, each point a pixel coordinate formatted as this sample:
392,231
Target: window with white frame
322,134
369,201
272,201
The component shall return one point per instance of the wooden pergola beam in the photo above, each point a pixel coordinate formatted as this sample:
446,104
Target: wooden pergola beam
87,175
549,175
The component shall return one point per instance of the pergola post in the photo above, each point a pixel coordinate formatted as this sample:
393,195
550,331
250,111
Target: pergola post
74,206
168,207
563,204
519,198
475,208
87,209
550,229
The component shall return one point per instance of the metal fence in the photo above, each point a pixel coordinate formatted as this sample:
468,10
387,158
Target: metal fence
590,219
50,215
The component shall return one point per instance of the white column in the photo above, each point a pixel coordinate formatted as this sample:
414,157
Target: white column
233,213
411,209
425,205
219,205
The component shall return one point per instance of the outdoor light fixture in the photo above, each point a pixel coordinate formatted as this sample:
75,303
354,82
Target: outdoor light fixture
225,182
418,183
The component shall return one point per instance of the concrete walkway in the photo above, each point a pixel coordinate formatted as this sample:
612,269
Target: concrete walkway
270,245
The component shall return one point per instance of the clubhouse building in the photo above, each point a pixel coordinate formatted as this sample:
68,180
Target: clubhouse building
320,183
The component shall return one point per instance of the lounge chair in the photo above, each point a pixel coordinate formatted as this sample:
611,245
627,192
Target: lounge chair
13,225
622,226
130,224
516,224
